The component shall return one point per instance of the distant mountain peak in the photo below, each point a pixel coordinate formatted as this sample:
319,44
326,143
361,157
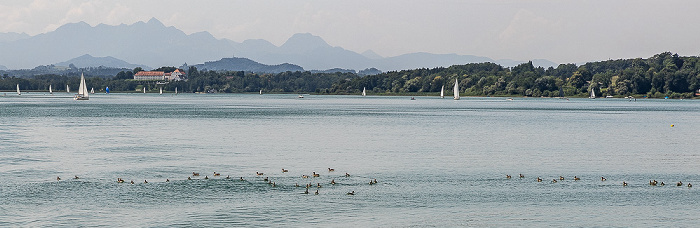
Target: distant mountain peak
371,55
304,42
155,22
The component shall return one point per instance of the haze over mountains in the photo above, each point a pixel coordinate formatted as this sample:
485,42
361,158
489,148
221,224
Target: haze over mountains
153,44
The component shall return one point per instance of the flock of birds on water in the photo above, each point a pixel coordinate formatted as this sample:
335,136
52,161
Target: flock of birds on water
576,178
266,179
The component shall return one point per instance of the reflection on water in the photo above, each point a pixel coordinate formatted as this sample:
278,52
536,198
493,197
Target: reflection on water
437,161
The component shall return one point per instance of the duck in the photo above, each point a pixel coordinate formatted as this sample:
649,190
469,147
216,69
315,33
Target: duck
554,180
217,174
690,185
274,184
318,185
539,179
285,170
507,176
679,184
351,193
371,183
333,181
242,179
624,183
76,177
206,177
296,185
375,181
316,174
167,180
58,178
259,174
347,175
119,180
330,170
228,177
306,191
561,178
602,179
195,174
522,176
189,178
265,179
316,193
576,178
662,183
132,182
145,181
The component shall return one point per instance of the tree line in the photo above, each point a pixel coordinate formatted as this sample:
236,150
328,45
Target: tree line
664,74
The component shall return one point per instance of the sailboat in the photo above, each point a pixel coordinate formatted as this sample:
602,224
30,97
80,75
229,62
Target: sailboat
161,90
442,92
456,90
92,90
82,90
107,90
144,89
363,92
261,92
175,90
18,93
67,89
50,91
592,94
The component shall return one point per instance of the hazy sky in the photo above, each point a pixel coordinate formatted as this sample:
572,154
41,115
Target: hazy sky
558,30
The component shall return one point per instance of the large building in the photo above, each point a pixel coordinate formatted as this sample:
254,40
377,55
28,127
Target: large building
176,75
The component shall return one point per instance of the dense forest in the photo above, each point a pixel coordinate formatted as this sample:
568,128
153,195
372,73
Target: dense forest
664,74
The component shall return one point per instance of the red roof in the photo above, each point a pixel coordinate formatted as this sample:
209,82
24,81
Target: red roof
149,73
181,71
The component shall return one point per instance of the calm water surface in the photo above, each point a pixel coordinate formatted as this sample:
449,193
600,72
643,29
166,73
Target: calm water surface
438,162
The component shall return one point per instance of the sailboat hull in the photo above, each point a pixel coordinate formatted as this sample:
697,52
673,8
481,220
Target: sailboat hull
79,98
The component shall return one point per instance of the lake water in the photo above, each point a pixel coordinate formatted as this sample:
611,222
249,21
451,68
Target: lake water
437,162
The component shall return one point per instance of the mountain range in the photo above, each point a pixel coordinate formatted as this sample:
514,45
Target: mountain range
154,44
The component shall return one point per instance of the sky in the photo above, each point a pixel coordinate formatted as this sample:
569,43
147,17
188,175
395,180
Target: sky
563,31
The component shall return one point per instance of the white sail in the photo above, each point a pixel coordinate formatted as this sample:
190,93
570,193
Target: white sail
92,90
144,89
363,92
456,90
18,93
176,90
50,91
67,89
592,93
161,90
82,90
261,92
442,92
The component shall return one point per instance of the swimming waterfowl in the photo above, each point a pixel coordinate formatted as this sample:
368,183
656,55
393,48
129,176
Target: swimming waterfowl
330,170
189,178
539,179
679,184
333,181
561,178
576,178
167,180
259,174
296,185
624,183
653,182
690,185
347,175
217,174
522,176
371,183
351,193
132,182
318,185
206,177
304,176
228,177
76,177
58,178
316,174
306,191
602,179
195,174
242,179
119,180
554,180
316,193
285,170
662,183
145,182
507,176
265,179
375,181
274,184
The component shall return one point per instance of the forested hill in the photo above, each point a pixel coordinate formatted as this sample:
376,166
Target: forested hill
664,74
